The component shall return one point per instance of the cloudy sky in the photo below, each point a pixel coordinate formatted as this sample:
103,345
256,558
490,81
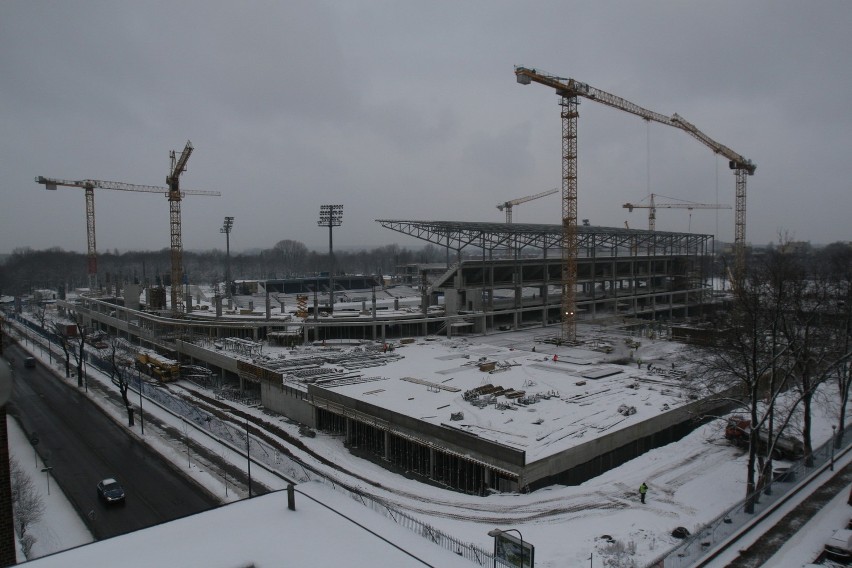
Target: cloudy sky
410,110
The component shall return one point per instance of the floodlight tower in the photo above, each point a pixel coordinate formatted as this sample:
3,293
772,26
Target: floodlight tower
330,216
226,228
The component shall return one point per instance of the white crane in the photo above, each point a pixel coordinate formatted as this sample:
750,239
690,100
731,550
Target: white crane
509,204
652,208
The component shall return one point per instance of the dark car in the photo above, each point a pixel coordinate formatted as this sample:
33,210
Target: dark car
110,491
30,362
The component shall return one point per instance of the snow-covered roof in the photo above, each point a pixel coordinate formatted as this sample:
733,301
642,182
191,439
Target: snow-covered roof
540,402
263,532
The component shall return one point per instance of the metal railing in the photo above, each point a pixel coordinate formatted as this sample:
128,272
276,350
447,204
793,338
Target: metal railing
693,548
290,467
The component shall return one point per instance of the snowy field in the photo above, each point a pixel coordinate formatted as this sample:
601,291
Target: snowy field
690,482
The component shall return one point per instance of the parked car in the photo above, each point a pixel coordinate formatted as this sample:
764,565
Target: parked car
839,546
110,491
29,362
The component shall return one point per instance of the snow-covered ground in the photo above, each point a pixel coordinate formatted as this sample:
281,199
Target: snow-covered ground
691,482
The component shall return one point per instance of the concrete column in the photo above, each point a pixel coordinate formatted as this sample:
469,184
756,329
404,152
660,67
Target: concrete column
387,445
348,435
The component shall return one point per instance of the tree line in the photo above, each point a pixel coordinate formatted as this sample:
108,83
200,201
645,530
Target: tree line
784,342
26,269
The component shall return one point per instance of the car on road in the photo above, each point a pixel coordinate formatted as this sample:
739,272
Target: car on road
29,362
110,491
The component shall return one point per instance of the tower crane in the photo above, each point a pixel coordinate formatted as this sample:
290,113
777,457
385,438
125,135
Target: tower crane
652,208
89,185
569,91
178,166
509,204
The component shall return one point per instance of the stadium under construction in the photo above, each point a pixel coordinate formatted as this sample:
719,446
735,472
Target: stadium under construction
499,277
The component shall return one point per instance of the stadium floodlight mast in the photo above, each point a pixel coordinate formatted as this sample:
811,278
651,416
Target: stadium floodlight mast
330,216
226,228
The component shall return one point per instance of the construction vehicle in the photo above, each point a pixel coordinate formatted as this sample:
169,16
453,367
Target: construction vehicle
509,204
738,432
160,367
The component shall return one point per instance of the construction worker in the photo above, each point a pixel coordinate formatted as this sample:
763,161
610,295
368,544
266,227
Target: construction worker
642,490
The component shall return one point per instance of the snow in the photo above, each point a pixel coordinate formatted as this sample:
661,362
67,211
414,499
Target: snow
60,528
581,390
690,482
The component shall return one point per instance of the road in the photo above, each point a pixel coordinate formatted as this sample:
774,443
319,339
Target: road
83,445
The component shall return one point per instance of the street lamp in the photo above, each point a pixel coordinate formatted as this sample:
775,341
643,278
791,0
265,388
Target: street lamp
47,471
141,415
226,229
500,532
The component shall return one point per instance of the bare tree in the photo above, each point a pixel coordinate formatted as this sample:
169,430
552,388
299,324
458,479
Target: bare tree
27,504
746,364
63,332
80,351
118,374
39,311
811,336
836,261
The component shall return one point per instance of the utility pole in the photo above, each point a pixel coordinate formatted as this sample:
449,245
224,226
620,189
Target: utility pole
226,228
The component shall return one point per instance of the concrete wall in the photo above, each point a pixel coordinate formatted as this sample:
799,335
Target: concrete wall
588,460
499,455
287,401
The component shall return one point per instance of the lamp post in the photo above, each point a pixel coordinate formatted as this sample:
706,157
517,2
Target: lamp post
141,415
331,216
248,457
498,532
47,471
226,229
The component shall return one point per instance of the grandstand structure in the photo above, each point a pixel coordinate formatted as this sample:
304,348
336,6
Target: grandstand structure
507,276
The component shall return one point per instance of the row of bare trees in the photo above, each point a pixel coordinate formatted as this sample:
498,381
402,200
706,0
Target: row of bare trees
785,340
26,269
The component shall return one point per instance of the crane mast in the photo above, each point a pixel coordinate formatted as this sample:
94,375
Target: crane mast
569,91
89,185
178,166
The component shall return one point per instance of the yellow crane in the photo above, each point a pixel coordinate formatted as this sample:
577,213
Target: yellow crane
652,208
569,91
178,166
89,185
509,204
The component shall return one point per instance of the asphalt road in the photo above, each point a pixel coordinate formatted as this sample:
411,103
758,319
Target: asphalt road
83,445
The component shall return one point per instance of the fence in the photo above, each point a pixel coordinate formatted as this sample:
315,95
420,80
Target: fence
695,547
289,467
293,469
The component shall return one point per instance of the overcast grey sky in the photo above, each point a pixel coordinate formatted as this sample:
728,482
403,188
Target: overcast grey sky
410,110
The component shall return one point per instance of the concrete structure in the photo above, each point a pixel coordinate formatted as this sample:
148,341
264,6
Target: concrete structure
507,277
